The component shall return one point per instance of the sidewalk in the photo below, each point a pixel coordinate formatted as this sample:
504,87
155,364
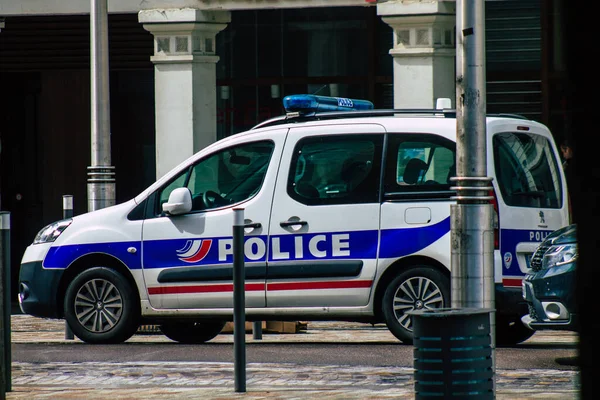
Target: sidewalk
201,380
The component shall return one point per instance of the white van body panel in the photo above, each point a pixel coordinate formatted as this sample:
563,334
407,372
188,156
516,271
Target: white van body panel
336,261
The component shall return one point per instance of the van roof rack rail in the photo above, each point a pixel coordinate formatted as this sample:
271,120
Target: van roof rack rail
325,115
293,117
505,115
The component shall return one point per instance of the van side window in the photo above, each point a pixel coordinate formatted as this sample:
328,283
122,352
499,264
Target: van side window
527,170
419,163
223,178
340,169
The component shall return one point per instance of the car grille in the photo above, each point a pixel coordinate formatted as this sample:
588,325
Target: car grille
532,312
536,259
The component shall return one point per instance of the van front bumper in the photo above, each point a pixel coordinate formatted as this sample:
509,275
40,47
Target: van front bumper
38,289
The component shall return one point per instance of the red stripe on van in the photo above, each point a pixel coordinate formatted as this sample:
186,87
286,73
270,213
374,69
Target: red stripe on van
319,285
202,289
512,282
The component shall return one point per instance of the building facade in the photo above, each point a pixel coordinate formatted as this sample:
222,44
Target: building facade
184,73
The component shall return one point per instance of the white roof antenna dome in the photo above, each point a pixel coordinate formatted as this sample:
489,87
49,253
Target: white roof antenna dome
442,103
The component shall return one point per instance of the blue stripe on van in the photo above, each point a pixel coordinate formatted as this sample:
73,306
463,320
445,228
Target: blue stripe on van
402,242
169,252
354,245
336,245
213,251
60,257
509,239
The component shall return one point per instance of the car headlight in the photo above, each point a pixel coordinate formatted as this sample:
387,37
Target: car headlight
559,255
51,232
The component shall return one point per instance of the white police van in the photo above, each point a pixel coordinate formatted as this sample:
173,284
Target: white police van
347,218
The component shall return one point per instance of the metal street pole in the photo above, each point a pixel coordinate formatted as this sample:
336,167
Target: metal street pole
472,221
101,181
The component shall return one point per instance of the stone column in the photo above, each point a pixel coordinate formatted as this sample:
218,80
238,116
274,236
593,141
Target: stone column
424,51
184,80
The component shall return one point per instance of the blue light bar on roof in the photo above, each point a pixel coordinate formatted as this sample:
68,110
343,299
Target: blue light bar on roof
308,103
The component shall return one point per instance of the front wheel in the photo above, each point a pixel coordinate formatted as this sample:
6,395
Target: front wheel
101,307
414,289
192,332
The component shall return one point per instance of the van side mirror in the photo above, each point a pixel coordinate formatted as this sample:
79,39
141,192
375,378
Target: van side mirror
180,202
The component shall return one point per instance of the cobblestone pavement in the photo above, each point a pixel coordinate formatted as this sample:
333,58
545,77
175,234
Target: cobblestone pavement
202,380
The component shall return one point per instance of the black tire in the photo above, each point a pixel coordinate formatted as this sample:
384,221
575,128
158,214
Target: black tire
413,289
511,331
101,307
192,332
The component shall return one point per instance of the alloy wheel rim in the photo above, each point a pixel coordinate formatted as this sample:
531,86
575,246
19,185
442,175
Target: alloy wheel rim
98,305
415,294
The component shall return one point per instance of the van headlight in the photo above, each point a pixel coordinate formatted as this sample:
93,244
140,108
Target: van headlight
51,232
560,255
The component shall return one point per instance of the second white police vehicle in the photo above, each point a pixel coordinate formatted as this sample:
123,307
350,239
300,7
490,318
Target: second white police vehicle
347,218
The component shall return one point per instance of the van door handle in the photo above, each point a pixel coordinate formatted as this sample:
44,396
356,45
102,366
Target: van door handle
250,226
285,224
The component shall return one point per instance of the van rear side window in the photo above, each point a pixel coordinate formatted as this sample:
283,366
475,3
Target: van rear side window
339,169
527,170
419,162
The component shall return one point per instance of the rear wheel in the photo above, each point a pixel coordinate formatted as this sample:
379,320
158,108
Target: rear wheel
192,332
101,307
414,289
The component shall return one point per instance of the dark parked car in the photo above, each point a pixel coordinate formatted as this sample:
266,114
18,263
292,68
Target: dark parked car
549,288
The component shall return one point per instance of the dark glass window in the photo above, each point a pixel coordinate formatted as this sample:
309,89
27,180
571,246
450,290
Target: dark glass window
527,171
339,169
269,42
227,177
324,41
266,54
419,162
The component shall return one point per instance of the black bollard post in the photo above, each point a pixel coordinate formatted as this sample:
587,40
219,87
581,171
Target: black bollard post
239,301
5,304
68,213
257,330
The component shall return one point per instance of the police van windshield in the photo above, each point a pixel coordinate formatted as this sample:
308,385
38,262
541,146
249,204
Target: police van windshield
527,171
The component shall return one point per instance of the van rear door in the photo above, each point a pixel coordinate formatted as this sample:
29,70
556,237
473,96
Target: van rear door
530,190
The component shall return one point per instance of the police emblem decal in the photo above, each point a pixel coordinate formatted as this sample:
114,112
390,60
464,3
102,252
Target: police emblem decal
194,250
507,259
